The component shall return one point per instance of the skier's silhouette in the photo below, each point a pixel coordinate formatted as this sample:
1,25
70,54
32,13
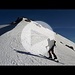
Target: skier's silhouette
51,50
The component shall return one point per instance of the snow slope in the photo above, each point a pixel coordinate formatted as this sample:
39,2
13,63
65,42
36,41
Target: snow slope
35,38
13,53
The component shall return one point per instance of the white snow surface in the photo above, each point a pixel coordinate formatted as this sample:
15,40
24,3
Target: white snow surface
35,38
12,51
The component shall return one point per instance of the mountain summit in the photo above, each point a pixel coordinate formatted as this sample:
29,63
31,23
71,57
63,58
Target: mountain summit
19,19
22,42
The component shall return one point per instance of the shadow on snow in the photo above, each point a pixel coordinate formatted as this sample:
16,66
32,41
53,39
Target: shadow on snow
41,56
6,29
27,53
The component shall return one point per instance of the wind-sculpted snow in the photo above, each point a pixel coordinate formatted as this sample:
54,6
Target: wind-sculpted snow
12,51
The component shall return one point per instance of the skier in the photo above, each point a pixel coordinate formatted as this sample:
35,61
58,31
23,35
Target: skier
51,50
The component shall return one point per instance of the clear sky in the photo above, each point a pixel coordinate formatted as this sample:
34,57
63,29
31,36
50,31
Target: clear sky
62,21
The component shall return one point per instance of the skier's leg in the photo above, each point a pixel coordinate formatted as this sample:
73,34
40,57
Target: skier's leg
50,56
55,57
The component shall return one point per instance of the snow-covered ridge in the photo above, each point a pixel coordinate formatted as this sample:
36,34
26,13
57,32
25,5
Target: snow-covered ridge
65,41
12,51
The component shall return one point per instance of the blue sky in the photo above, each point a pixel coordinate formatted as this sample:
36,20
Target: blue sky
62,21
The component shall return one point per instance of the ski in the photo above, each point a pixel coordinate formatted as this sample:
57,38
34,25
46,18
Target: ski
57,61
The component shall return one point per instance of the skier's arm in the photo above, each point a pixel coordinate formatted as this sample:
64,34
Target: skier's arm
47,46
55,45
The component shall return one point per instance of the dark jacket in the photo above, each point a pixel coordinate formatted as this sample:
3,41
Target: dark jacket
53,46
